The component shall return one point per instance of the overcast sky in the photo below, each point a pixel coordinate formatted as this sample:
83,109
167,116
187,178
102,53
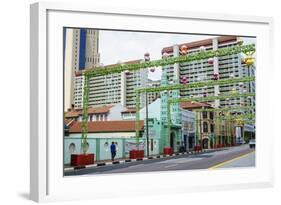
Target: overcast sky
123,46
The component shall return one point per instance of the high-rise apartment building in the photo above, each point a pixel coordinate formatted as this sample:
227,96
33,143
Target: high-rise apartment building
80,51
118,88
152,96
229,66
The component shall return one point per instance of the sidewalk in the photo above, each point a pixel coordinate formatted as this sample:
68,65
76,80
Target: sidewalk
127,160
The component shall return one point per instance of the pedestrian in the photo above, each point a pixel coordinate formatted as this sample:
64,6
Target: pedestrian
113,151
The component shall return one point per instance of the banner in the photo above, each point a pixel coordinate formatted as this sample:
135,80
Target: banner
134,146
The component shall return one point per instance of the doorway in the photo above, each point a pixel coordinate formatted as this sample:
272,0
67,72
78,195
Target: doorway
205,143
172,140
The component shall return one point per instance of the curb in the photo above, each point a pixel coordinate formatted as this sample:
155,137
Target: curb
138,159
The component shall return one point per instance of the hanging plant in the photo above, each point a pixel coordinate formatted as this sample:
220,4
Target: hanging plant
147,57
184,80
183,50
127,72
152,69
215,76
210,61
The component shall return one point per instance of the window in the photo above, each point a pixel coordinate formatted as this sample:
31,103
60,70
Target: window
205,115
71,148
212,128
205,127
211,115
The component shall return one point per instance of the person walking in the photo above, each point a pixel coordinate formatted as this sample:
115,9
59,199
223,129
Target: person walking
113,151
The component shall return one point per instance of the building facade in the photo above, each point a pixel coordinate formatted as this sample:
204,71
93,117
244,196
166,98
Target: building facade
152,96
109,89
226,67
80,51
100,136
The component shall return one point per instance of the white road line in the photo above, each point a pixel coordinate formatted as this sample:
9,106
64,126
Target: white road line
172,165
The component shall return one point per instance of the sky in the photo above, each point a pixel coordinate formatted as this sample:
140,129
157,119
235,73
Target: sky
122,46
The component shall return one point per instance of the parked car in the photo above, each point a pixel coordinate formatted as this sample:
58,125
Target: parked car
252,143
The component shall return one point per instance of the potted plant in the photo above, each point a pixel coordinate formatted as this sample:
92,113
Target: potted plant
84,158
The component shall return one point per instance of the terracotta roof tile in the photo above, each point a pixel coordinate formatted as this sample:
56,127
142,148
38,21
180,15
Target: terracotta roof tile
106,126
91,110
205,42
97,110
194,105
73,113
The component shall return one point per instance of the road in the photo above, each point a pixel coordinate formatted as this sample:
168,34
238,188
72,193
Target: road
241,156
246,160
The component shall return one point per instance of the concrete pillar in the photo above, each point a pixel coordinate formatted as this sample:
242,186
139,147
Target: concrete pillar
123,89
216,70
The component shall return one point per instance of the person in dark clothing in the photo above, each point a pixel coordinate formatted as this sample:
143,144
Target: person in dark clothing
113,150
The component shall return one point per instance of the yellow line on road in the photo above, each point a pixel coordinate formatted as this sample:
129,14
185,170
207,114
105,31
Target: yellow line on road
231,160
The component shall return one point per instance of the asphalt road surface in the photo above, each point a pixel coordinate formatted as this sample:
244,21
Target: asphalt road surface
241,156
246,160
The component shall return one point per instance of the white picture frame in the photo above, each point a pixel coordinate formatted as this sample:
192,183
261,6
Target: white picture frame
46,168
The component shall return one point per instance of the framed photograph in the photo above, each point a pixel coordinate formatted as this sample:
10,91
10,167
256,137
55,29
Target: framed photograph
151,101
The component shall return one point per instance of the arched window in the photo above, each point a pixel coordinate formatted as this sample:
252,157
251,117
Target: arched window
71,148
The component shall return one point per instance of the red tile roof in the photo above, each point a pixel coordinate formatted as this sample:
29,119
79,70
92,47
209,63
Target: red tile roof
205,42
72,113
91,110
106,126
98,110
194,105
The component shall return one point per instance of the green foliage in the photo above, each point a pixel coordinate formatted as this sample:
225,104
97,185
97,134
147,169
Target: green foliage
196,85
100,71
226,109
210,98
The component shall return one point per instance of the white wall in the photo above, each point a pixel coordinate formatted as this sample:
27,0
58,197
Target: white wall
115,112
14,35
153,110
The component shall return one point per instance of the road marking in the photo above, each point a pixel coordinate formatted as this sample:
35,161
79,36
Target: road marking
135,166
231,160
172,165
178,161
